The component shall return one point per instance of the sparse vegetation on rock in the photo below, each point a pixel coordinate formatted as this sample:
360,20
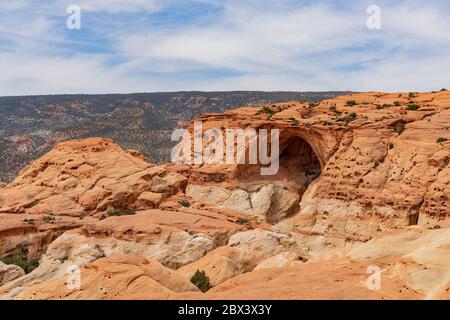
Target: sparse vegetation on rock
48,219
413,107
118,212
350,103
201,281
266,110
351,117
184,203
18,260
293,121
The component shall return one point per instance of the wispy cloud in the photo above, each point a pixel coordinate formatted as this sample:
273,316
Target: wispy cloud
156,45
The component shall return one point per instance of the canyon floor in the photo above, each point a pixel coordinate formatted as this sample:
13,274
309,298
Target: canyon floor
359,209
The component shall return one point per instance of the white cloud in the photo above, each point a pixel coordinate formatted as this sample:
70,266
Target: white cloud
246,40
117,5
246,45
27,74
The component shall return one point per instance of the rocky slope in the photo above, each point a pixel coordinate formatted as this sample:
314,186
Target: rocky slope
31,125
363,183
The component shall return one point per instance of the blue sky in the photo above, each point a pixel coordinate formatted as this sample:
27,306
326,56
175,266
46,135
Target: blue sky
156,45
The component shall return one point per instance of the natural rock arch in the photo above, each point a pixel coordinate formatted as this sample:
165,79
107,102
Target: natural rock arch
298,157
301,162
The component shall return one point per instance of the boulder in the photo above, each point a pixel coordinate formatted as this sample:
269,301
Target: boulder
283,259
113,277
149,199
222,264
9,273
268,243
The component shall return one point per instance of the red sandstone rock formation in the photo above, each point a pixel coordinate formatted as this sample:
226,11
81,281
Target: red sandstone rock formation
363,181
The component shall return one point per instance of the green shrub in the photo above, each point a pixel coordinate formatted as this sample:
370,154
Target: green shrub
413,107
48,219
64,259
128,212
293,121
351,103
242,221
201,281
443,89
114,213
384,105
266,110
411,95
32,204
313,105
440,140
397,103
184,203
351,117
118,213
18,260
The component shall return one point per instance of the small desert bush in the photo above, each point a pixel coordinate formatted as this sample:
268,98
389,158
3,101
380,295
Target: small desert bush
266,110
293,121
440,140
18,260
242,221
350,103
48,219
382,106
351,117
118,213
201,281
184,203
413,107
